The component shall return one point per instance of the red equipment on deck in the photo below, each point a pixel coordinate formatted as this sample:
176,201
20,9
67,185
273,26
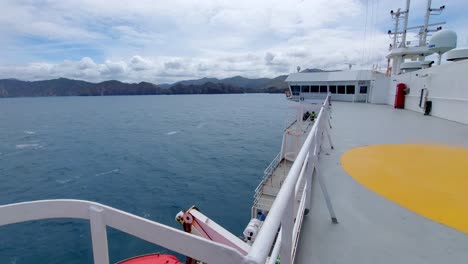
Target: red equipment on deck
152,259
400,96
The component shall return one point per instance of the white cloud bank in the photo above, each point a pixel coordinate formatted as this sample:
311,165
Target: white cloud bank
166,41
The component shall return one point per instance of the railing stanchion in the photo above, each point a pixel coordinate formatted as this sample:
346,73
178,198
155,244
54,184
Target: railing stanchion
308,182
327,130
325,194
287,226
98,235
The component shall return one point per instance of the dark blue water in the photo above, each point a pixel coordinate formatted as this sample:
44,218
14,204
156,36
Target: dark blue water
149,155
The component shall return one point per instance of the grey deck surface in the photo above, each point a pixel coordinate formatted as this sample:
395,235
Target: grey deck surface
272,186
373,229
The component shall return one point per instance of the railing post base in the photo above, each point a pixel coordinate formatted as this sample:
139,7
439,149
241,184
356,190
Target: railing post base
98,235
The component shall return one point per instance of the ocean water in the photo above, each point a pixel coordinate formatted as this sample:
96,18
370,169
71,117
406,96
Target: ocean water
149,155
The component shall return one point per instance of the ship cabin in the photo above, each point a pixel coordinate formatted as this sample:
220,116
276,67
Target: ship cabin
351,86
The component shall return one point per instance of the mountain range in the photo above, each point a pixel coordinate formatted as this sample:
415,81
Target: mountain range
69,87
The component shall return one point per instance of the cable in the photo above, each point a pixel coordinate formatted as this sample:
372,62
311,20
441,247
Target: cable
365,34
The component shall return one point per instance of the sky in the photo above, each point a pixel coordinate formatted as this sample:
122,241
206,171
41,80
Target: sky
166,41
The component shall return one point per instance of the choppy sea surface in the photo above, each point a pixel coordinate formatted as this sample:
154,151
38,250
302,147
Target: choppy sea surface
149,155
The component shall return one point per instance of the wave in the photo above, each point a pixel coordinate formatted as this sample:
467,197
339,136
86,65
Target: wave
146,215
107,172
171,133
63,181
30,132
28,146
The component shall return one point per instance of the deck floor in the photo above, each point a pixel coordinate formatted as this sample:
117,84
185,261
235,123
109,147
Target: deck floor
373,229
273,185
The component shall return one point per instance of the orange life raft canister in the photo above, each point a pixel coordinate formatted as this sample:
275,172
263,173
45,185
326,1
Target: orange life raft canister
152,259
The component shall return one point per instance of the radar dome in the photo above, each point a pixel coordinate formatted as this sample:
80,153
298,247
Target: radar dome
443,41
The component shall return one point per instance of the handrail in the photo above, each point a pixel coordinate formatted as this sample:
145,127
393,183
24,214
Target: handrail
101,216
272,165
267,173
279,210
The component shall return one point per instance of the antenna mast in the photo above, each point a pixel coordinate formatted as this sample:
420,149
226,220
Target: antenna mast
425,28
396,16
405,24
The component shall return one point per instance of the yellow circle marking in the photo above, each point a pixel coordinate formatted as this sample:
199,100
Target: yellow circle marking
431,180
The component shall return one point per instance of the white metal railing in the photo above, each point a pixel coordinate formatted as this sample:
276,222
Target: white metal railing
267,173
280,217
101,216
272,165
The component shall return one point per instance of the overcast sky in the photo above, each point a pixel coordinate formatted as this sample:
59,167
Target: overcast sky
166,41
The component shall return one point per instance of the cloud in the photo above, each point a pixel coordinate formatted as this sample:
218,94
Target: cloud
172,65
86,63
138,63
165,41
114,69
269,57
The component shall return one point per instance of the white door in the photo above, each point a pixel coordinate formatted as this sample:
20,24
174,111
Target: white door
361,93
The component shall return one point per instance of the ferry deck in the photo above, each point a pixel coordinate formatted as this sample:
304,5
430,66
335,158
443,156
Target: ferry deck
376,226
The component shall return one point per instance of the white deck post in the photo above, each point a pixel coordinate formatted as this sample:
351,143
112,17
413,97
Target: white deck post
308,182
329,138
98,235
283,144
325,194
287,226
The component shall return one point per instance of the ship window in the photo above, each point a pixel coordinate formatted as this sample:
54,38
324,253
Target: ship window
349,89
295,89
341,89
333,89
305,88
314,89
363,89
323,89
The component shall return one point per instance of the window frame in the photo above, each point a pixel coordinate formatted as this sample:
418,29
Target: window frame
316,89
363,86
341,89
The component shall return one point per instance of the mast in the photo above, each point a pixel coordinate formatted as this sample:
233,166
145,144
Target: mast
405,24
425,28
395,16
426,23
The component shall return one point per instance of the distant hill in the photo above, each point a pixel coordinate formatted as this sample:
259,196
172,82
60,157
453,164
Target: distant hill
196,82
69,87
237,81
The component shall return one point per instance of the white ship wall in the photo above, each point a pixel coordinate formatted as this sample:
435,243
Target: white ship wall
447,86
379,89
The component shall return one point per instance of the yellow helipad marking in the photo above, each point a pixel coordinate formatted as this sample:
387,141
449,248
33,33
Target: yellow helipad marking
431,180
